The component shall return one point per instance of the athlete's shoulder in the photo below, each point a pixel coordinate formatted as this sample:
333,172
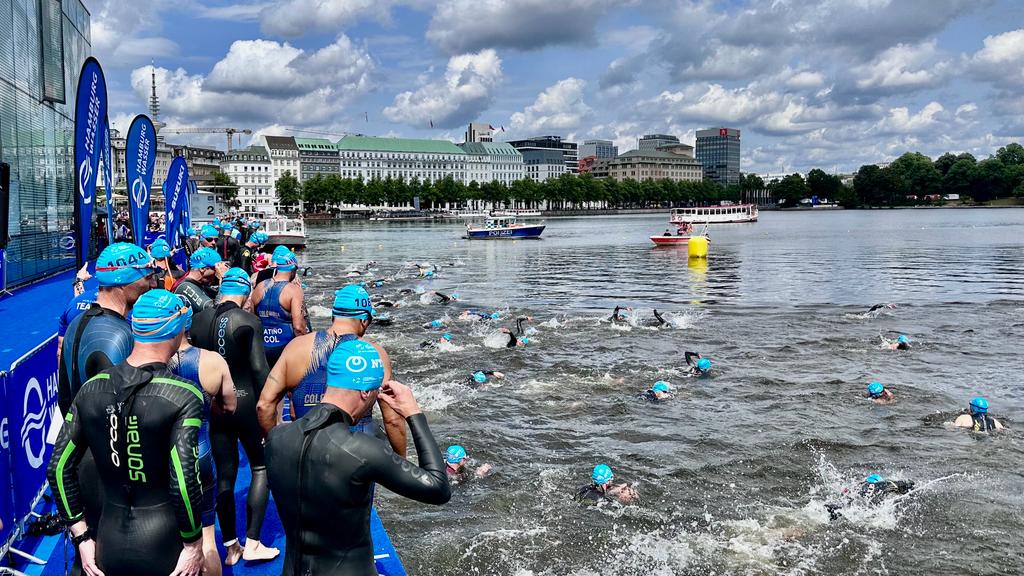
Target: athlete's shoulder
166,382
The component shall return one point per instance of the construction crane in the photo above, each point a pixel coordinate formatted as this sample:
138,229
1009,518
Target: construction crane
229,131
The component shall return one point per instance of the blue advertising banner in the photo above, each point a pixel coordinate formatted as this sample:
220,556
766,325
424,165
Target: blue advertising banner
90,114
108,180
6,504
175,187
31,407
140,158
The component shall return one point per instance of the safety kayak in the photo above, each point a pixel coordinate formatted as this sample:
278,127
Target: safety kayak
384,554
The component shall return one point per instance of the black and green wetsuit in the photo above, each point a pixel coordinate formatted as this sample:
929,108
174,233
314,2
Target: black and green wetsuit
142,426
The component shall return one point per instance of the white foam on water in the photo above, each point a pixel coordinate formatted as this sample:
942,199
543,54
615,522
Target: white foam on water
317,311
440,396
496,340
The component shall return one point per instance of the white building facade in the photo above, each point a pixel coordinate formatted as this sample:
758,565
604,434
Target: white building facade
369,157
251,169
490,161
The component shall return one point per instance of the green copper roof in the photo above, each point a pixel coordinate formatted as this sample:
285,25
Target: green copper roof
373,144
490,148
314,144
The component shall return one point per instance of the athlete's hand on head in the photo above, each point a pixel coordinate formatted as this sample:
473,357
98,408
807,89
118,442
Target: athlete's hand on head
190,561
399,397
87,550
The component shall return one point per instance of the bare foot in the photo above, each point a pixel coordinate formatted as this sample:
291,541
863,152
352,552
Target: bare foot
234,554
256,551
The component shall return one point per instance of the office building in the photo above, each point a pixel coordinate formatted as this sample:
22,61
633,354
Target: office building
655,141
479,132
598,149
250,169
568,150
490,161
671,162
317,157
42,48
718,150
542,164
368,157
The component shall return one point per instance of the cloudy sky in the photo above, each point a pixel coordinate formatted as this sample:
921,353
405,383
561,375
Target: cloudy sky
811,83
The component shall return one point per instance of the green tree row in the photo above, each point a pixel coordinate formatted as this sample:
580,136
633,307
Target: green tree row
914,178
568,191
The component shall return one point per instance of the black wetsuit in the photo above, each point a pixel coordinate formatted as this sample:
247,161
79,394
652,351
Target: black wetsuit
243,259
650,396
237,335
691,360
142,425
472,381
95,341
444,298
194,292
590,493
228,248
902,346
265,274
616,317
875,493
983,423
322,475
513,337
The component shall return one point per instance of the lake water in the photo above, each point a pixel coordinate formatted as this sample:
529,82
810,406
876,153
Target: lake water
733,472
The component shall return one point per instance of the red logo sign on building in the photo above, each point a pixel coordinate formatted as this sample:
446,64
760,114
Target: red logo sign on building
723,131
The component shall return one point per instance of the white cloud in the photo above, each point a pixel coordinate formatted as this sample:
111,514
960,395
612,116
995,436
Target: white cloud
126,33
557,110
465,91
297,17
233,12
902,67
1001,60
806,80
293,87
902,121
466,25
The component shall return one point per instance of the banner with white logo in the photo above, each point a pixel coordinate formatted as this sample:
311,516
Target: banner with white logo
31,407
108,180
175,187
140,158
90,116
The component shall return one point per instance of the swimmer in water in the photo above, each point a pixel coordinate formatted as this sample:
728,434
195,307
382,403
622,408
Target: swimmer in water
474,316
458,467
699,366
620,318
659,392
445,338
880,307
656,322
879,394
978,419
435,324
901,343
602,488
517,338
874,489
384,319
481,377
444,299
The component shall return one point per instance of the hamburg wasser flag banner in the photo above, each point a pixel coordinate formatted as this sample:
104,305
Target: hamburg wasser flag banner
140,158
90,118
175,188
108,180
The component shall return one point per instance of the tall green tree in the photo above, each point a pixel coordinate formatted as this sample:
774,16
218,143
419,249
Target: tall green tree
791,190
916,175
288,190
225,188
823,185
1011,155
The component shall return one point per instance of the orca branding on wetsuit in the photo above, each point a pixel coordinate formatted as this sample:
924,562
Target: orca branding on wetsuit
982,423
238,337
142,426
185,364
322,474
75,308
310,390
194,293
243,259
277,322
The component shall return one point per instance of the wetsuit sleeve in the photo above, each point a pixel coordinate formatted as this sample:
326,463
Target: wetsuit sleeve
249,335
691,358
186,487
427,482
62,473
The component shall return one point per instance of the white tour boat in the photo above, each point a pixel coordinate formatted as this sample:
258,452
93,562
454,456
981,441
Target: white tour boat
725,214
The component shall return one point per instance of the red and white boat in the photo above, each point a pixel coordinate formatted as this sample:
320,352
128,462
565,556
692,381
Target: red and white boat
728,213
684,231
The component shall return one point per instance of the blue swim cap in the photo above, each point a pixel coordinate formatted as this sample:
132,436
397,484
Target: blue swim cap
122,263
217,223
979,405
455,454
192,232
480,377
602,474
873,479
284,259
902,339
495,316
447,336
455,295
255,224
159,248
875,389
378,283
235,283
209,231
429,274
259,238
204,258
234,233
159,315
355,365
703,364
353,301
435,323
524,340
661,386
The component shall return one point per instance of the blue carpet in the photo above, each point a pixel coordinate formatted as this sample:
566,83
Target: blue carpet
29,316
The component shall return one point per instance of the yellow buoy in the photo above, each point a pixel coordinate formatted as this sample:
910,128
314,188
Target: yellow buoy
697,247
